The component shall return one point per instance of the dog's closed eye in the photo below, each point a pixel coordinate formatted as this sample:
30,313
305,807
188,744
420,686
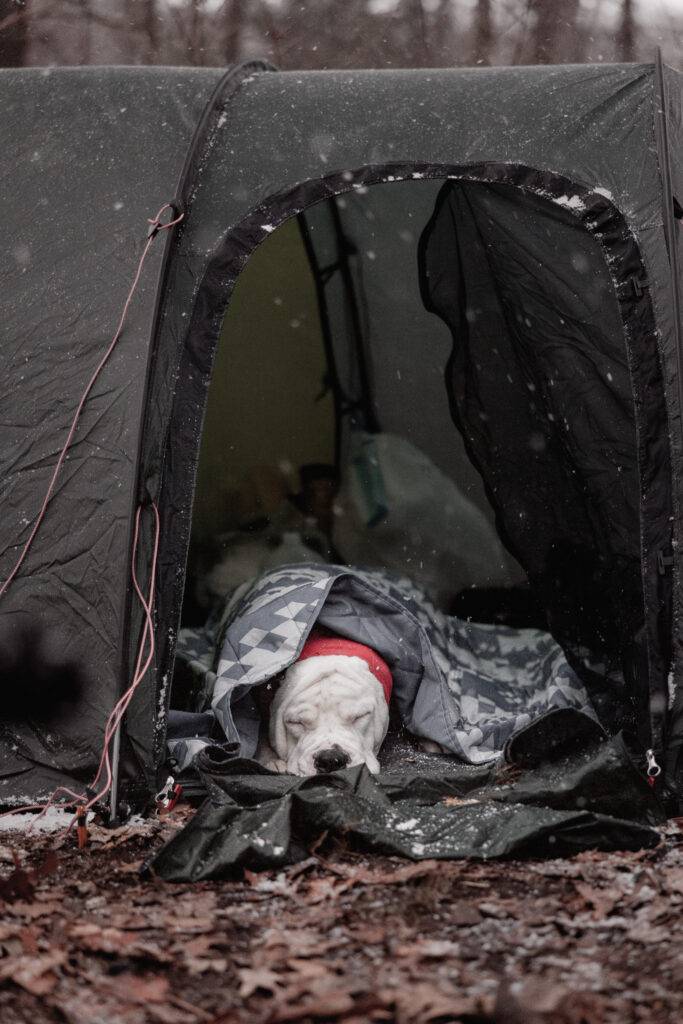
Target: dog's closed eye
356,717
298,724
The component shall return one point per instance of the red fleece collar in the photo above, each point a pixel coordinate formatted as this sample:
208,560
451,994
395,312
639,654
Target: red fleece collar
323,645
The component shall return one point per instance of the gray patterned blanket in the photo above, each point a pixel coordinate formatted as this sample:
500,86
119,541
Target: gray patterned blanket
465,685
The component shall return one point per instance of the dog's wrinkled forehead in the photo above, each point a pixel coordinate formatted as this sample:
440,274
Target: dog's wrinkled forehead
327,677
320,646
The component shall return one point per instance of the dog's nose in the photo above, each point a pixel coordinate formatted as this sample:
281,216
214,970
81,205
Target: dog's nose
330,760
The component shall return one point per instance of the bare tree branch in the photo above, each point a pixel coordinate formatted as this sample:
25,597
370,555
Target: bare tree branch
483,32
626,36
325,33
14,25
233,16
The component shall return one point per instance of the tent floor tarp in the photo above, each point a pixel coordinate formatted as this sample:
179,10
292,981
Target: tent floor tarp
558,804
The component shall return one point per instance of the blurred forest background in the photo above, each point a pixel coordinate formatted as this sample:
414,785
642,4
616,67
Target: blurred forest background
298,34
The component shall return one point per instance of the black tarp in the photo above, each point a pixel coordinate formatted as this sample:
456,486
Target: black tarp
565,789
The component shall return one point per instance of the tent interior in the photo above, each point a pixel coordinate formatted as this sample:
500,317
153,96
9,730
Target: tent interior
328,353
344,419
488,454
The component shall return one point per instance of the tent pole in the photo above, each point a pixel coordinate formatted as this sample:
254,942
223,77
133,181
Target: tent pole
202,141
669,227
662,139
345,249
341,400
114,790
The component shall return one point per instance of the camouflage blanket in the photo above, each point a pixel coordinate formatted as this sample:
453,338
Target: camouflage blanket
465,685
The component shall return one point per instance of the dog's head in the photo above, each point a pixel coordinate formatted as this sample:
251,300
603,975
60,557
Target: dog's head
331,711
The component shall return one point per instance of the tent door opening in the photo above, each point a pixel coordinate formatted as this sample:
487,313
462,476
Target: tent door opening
516,401
327,401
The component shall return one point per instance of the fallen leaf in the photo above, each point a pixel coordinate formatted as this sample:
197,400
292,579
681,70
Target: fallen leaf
673,880
48,866
370,935
192,1009
200,965
308,970
125,994
426,949
114,941
421,1003
501,909
145,988
603,901
538,1001
648,935
134,921
462,913
129,869
162,1013
29,939
198,946
104,837
190,924
320,889
18,885
298,942
328,1006
34,910
33,973
253,979
408,872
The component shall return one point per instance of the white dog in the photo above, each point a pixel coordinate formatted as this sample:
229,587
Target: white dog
331,710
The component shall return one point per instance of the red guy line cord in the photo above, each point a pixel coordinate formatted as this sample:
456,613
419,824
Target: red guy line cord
86,798
156,227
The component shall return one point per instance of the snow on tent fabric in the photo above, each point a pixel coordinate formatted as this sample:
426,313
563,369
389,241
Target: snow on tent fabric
494,284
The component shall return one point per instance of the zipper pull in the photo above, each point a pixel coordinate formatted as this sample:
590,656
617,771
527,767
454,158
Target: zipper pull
653,769
664,562
165,795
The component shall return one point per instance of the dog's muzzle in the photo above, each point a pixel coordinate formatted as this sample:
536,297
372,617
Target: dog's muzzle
330,760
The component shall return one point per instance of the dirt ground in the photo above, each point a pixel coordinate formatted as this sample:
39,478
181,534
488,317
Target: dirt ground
338,937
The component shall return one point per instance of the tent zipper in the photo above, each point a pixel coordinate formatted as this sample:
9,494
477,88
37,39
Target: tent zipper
653,768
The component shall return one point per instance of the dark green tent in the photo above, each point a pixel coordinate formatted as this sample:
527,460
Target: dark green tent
538,207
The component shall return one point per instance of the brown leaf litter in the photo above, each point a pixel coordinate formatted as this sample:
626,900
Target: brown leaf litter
592,939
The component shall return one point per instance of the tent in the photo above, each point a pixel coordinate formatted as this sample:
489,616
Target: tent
539,341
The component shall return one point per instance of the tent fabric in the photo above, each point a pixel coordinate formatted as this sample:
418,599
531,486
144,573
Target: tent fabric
559,803
540,384
98,151
77,187
564,138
